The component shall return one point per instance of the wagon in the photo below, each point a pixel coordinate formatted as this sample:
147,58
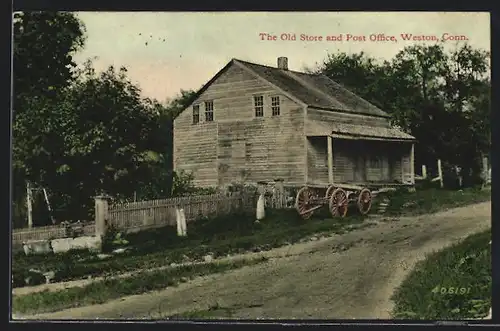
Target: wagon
338,197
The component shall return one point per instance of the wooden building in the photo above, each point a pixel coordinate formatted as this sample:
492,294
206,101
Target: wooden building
253,123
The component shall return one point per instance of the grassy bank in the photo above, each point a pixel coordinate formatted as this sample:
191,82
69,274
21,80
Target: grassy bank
159,247
106,290
454,283
432,200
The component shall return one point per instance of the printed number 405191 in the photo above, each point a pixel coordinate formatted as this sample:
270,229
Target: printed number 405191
450,290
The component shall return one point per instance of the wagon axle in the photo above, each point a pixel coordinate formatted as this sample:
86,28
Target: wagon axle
337,197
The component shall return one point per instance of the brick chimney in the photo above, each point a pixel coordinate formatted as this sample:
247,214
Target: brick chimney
283,63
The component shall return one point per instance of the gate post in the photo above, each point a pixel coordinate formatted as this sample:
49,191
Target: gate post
101,215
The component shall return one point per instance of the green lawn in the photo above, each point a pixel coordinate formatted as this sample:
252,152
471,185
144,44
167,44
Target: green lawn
454,283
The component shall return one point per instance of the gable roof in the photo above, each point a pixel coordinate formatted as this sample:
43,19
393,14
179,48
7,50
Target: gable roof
313,90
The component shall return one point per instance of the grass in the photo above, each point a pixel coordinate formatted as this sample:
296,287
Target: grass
454,283
159,247
232,234
432,200
103,291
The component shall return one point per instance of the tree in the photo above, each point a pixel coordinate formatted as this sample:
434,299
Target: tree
43,45
442,98
106,138
162,183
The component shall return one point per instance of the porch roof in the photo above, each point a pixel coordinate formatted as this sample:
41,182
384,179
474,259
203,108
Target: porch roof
355,131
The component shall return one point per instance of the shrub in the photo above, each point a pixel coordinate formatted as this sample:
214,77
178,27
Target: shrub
182,183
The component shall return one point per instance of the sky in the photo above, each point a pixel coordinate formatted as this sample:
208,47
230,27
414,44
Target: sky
165,52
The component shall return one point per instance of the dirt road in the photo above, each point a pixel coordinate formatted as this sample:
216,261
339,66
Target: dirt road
347,276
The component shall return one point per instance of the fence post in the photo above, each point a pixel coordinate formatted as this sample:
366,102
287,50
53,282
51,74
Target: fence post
440,173
29,205
101,215
280,192
424,172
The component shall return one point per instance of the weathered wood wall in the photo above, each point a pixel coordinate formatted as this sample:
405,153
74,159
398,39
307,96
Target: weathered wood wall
195,149
317,160
237,146
328,116
266,149
352,161
406,162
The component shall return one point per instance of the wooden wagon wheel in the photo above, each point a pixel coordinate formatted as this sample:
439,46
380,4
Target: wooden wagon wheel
303,202
329,191
339,203
364,201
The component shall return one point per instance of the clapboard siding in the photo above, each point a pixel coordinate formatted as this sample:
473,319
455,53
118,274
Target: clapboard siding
396,174
344,162
262,149
337,117
195,151
357,161
237,146
317,160
406,163
399,161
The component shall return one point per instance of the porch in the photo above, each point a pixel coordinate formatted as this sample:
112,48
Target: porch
359,160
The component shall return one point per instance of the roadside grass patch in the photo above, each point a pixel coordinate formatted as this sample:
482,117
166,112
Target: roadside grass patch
218,236
108,289
454,283
432,200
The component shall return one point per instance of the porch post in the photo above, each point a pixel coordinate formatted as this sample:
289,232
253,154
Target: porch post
330,159
412,163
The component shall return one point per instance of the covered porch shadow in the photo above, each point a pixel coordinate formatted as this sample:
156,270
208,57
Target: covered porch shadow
359,155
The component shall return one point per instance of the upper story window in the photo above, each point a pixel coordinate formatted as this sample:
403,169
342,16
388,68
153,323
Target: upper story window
209,111
275,105
258,101
196,114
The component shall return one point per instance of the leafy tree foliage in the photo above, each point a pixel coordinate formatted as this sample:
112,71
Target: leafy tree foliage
79,133
43,45
442,98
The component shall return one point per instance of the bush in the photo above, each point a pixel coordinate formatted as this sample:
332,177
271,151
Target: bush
182,183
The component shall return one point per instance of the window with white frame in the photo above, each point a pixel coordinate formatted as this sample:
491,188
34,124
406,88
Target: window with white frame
196,114
258,101
275,105
209,111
